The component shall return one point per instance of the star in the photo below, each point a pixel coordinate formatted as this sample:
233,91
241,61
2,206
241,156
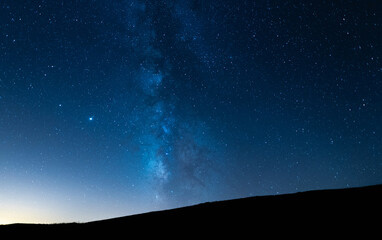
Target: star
91,118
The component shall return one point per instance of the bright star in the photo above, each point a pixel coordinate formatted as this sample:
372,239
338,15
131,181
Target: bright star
90,118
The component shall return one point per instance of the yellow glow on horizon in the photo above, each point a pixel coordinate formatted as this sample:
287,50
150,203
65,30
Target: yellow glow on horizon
22,215
4,222
23,203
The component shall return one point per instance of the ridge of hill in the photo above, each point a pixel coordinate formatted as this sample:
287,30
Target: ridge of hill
347,209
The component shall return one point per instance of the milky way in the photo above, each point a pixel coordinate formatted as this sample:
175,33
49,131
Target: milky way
172,145
110,108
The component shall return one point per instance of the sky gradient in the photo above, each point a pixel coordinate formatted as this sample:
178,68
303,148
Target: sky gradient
111,108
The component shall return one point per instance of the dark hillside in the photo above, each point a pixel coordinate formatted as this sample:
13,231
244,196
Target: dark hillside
346,209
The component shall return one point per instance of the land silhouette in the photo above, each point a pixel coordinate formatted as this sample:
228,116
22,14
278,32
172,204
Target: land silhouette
312,211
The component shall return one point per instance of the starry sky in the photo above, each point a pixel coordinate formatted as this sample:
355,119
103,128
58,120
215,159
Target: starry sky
112,108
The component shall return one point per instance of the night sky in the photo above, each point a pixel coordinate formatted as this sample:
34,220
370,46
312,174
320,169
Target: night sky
111,108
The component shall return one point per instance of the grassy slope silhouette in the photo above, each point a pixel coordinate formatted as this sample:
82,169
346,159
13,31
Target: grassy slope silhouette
323,209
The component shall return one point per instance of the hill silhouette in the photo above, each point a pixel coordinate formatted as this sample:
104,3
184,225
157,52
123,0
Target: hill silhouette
321,210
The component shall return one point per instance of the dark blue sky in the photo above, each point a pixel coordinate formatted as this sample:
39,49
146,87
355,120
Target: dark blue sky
110,108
